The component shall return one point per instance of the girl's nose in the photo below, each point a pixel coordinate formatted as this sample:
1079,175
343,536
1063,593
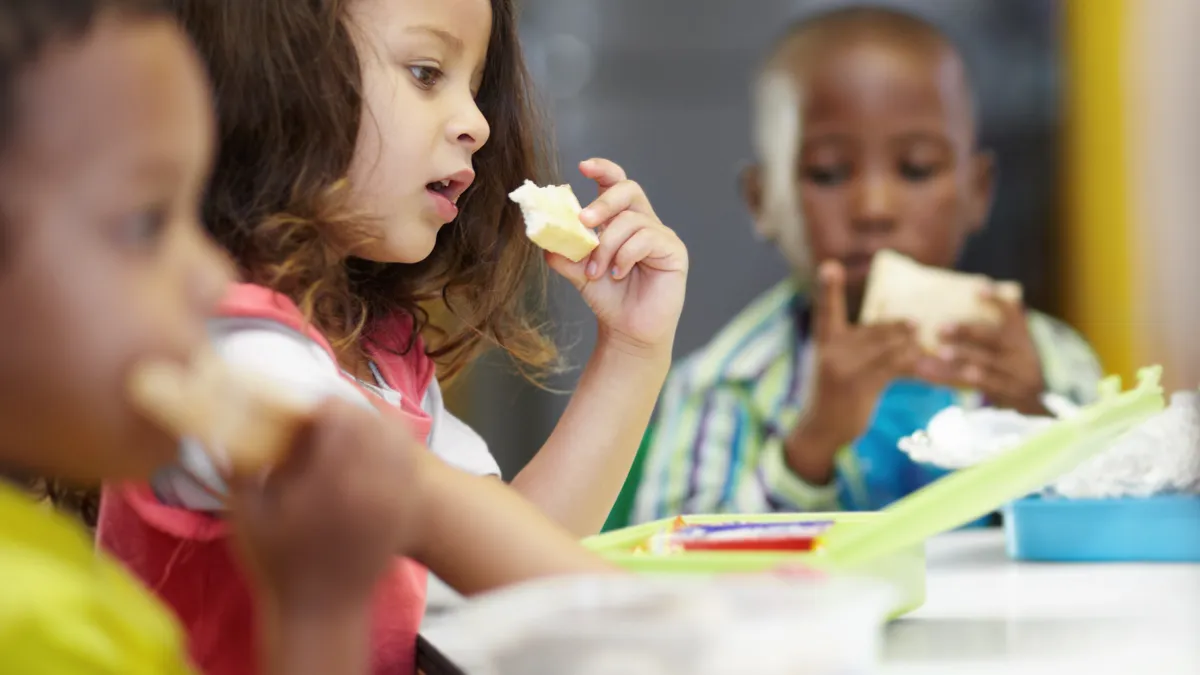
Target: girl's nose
470,128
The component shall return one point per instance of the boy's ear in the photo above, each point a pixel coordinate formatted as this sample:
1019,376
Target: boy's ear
750,180
983,188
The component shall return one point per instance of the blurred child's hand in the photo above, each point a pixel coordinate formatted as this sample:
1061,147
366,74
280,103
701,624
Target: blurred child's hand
853,366
321,529
635,279
1000,361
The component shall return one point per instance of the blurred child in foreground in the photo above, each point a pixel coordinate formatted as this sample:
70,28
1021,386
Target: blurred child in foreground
105,143
866,139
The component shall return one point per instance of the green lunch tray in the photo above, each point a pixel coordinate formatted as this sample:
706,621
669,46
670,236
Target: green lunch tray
890,544
903,569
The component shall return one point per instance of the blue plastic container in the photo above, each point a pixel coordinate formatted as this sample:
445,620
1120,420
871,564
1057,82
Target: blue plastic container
1154,529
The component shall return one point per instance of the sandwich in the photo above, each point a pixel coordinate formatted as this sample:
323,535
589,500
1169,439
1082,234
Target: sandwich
552,220
901,289
244,423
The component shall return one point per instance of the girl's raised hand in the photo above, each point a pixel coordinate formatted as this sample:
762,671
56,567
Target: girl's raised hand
635,279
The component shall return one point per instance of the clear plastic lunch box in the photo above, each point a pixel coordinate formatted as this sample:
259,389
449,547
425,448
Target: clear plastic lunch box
658,625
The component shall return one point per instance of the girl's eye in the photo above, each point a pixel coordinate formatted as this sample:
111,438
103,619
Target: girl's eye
143,229
827,175
426,76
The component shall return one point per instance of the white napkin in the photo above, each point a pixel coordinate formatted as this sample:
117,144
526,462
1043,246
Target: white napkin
1160,456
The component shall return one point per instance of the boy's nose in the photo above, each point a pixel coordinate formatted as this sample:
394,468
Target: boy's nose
874,205
209,273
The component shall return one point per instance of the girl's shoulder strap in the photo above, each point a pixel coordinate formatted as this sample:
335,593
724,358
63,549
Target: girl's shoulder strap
251,301
400,355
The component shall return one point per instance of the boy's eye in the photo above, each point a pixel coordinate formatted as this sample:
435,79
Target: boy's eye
826,175
143,229
426,76
916,172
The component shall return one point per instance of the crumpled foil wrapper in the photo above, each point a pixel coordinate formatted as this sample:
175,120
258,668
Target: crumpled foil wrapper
1161,456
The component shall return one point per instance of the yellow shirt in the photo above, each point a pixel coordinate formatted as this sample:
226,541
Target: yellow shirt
66,610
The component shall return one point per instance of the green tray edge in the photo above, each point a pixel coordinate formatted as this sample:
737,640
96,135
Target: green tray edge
904,570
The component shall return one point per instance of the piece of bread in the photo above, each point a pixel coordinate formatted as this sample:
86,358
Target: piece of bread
245,424
552,220
901,289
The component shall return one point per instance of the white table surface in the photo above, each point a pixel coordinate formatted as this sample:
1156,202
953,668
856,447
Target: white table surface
987,614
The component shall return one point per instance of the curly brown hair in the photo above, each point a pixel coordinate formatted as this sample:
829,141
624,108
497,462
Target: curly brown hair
289,106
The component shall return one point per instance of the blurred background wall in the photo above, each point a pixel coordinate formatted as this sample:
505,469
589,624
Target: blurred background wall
1160,81
661,86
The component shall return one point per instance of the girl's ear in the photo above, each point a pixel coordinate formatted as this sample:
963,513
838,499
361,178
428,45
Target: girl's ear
982,189
750,181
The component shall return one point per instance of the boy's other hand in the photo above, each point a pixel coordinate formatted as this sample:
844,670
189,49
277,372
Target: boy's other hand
1000,361
853,365
320,530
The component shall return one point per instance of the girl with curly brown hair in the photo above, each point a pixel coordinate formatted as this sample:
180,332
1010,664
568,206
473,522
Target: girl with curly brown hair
366,149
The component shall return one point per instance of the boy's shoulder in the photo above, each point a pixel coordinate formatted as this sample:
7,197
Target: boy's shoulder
1044,323
761,335
1070,366
1054,337
65,606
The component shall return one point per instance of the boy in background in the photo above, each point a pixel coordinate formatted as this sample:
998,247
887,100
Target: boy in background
866,139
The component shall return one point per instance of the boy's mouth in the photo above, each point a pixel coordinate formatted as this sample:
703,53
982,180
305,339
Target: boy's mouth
857,265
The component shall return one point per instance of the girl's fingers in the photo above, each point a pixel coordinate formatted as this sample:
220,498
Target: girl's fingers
615,235
571,271
631,239
630,232
655,247
606,173
624,196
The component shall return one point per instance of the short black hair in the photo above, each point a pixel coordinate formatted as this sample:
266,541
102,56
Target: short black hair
864,16
27,27
871,18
